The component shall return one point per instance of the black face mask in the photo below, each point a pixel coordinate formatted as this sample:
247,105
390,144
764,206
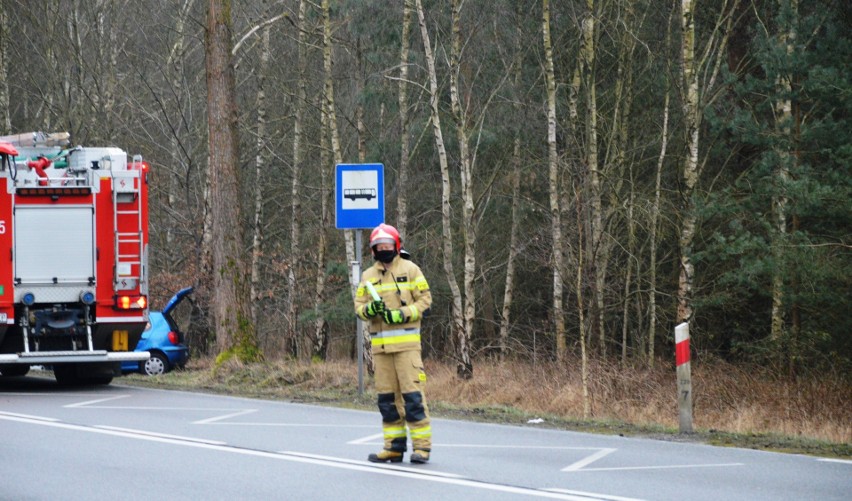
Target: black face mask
385,256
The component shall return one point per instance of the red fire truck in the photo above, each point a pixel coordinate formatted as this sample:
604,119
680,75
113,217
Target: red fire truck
73,258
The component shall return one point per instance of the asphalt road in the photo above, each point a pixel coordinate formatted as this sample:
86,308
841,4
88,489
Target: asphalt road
119,442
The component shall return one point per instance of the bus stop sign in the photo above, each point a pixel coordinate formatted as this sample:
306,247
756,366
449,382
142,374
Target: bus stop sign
359,196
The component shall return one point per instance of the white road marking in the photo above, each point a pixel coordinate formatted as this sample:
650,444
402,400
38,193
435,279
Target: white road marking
217,420
337,463
367,440
161,435
372,465
593,495
832,460
28,416
90,403
589,460
225,416
662,467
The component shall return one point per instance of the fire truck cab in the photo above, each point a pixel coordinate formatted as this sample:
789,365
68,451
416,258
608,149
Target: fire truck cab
73,258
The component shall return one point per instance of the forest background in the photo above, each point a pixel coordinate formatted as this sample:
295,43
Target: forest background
575,178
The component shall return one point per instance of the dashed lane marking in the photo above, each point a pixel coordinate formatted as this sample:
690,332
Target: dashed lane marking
339,463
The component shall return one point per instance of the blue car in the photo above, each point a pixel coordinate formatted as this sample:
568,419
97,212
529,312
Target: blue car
164,339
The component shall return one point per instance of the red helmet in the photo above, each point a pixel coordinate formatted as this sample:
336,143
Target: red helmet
385,234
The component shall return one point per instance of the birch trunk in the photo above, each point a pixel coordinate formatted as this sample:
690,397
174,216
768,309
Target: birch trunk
584,357
174,66
404,154
655,210
692,104
597,254
261,160
631,253
330,108
655,215
783,121
690,163
466,174
465,366
508,290
291,344
362,157
318,338
553,177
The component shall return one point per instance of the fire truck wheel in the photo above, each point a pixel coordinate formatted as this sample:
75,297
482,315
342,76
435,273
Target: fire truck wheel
12,370
156,365
66,375
70,375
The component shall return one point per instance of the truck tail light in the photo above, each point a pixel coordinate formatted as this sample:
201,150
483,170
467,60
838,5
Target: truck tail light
131,302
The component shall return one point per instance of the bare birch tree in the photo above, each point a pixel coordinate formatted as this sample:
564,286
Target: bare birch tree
508,290
466,174
584,357
553,177
783,121
404,153
261,161
291,344
692,103
318,337
465,365
655,212
330,108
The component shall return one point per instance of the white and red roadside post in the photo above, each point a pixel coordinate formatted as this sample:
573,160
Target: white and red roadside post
684,377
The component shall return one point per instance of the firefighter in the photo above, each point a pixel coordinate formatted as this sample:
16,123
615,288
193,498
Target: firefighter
394,324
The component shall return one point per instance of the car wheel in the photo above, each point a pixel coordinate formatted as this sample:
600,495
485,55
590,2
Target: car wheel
14,370
156,365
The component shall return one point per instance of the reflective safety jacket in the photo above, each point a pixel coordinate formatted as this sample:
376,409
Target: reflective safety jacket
401,286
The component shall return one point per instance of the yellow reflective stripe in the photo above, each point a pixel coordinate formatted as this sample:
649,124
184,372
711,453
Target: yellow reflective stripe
379,341
361,291
420,283
421,432
414,313
394,432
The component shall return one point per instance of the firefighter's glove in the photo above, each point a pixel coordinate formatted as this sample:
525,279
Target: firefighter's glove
393,317
374,308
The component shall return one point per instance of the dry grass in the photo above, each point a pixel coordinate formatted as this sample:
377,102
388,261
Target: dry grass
725,398
728,400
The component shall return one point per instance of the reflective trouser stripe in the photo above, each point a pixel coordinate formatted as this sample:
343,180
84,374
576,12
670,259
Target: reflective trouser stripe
391,433
395,437
424,432
395,337
421,434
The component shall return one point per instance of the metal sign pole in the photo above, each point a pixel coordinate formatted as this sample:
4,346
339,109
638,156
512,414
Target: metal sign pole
359,204
359,330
